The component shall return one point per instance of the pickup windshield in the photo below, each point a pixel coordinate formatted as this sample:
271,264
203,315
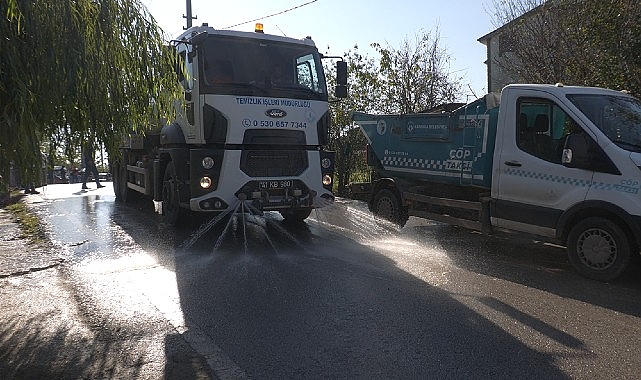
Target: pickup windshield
618,117
242,66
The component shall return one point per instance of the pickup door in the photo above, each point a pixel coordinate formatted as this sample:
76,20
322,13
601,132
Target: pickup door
531,188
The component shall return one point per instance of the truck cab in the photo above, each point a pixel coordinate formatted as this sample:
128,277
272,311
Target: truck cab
568,166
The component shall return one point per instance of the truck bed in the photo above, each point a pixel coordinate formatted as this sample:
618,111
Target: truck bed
448,147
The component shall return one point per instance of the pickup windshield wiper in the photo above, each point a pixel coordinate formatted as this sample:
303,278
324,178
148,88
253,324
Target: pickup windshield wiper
622,144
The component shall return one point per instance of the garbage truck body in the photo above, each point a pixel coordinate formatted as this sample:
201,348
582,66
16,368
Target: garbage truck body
555,161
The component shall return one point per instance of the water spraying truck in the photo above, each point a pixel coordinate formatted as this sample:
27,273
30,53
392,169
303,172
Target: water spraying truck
555,161
253,127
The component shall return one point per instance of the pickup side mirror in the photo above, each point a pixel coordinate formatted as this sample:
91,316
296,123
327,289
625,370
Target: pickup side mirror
581,152
576,152
341,80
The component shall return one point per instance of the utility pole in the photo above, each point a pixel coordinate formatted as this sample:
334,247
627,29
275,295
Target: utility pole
188,16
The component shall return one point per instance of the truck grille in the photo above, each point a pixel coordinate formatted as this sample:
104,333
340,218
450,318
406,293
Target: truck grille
273,163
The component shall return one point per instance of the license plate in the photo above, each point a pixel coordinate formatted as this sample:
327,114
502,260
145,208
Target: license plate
282,184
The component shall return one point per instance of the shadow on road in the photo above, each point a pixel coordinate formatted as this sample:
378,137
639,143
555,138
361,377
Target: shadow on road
532,263
320,300
280,301
36,350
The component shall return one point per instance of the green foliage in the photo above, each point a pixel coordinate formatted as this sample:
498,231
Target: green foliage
30,224
72,71
416,76
577,42
364,95
412,78
611,32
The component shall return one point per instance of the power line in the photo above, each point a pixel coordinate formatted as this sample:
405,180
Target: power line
272,15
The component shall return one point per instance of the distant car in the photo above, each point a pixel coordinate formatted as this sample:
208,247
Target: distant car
104,176
101,176
58,175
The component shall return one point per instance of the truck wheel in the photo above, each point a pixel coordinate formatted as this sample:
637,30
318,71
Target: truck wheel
598,249
295,215
170,198
115,170
387,205
123,193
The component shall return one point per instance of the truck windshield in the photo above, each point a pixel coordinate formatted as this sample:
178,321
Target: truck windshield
242,66
618,117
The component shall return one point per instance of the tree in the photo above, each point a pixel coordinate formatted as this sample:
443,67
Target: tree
72,71
416,77
580,42
410,79
364,95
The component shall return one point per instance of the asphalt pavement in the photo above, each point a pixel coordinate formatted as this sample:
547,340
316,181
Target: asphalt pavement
44,332
110,297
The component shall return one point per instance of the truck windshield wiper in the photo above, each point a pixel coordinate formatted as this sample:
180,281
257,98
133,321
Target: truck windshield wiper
298,88
261,89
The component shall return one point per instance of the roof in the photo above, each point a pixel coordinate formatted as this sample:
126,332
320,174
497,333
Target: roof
205,28
491,34
562,89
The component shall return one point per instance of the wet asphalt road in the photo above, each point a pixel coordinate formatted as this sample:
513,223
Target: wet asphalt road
339,297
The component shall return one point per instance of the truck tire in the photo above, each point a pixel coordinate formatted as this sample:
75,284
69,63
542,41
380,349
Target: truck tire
123,193
170,197
599,249
387,205
115,170
295,215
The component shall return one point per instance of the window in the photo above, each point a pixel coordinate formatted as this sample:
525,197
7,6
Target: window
618,117
247,66
307,73
185,68
542,127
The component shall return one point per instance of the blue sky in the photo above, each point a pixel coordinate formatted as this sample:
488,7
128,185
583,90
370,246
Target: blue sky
341,24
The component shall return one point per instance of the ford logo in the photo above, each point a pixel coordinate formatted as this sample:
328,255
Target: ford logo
275,112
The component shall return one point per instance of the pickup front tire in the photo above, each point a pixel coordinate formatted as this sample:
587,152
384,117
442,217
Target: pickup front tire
599,249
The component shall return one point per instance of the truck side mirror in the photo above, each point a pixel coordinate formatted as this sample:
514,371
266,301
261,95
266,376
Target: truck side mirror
341,80
576,152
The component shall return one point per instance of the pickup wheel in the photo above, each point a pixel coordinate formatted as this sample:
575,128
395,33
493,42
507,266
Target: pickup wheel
170,197
387,205
295,215
599,249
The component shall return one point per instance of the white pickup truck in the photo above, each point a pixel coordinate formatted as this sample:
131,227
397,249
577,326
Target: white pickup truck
556,161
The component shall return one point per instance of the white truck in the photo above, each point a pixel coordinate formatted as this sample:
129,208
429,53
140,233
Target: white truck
555,161
253,127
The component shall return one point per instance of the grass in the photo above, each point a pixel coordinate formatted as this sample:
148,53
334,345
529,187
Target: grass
30,225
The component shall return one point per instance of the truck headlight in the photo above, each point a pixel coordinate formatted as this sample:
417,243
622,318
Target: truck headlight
205,182
208,162
326,163
327,180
